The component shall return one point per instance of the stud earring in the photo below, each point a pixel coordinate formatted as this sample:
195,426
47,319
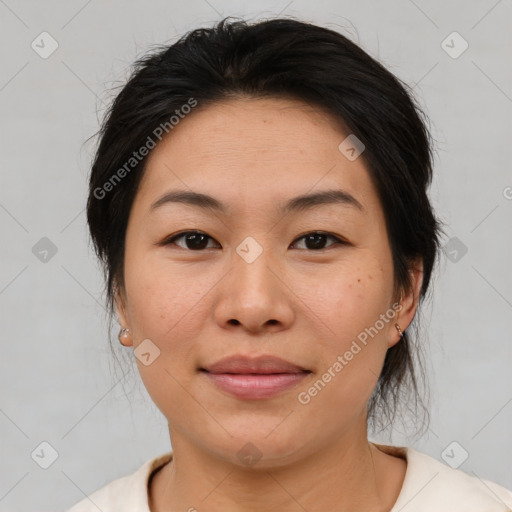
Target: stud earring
123,335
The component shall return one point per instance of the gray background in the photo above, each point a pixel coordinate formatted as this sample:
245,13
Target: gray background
57,378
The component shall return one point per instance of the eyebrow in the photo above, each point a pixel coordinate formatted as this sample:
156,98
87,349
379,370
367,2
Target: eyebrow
297,204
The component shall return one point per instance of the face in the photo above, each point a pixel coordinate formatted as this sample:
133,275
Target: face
256,272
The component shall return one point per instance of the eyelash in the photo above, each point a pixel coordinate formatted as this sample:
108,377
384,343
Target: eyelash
338,240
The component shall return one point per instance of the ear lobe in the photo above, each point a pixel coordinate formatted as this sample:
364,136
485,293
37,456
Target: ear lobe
124,336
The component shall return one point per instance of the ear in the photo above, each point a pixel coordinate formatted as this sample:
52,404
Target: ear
121,311
409,301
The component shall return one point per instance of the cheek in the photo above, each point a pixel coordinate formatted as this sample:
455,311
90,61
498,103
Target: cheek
349,301
354,342
167,310
172,308
159,296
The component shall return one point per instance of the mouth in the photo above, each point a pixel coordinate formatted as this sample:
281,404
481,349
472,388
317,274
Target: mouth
254,378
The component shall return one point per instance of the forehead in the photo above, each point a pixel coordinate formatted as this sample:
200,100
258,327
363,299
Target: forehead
245,150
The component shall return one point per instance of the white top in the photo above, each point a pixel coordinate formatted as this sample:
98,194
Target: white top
429,486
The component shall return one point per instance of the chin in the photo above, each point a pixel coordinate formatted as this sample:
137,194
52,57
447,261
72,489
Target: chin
260,447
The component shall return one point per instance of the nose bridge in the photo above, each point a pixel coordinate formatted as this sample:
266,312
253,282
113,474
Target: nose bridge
251,261
254,294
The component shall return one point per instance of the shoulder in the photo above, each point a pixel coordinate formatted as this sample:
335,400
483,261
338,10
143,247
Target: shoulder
128,493
432,485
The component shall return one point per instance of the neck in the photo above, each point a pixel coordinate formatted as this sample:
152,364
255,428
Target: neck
352,474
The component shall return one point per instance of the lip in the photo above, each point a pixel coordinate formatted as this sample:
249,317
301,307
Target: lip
254,377
261,364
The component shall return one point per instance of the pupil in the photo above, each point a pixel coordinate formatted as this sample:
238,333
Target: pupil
193,238
316,240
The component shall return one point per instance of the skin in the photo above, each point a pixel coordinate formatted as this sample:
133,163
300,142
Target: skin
302,304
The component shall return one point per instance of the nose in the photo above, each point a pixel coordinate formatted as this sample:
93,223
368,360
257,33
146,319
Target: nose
254,295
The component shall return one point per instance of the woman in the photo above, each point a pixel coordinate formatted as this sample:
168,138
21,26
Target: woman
259,201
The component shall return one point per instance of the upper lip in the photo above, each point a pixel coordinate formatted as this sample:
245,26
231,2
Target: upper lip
261,364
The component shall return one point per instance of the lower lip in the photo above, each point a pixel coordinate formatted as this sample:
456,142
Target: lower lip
255,386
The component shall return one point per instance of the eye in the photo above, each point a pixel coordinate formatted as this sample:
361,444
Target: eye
197,240
193,240
316,240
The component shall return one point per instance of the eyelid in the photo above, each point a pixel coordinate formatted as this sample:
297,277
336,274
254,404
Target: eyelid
170,239
338,239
